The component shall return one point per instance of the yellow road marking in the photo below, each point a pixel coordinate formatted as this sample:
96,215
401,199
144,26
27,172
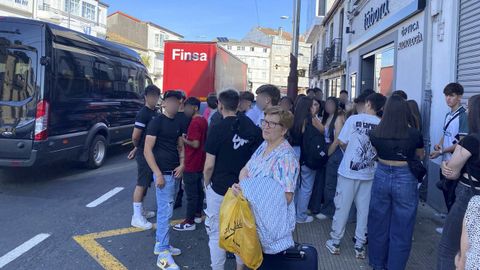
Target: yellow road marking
100,254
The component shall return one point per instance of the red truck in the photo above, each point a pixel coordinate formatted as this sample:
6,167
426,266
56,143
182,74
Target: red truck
199,68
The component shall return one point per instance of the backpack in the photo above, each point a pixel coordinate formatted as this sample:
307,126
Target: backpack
314,148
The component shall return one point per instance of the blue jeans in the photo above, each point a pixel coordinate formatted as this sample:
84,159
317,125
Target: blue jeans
452,229
331,175
165,201
391,218
304,191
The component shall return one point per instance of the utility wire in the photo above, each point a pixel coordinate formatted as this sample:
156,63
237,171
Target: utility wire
258,16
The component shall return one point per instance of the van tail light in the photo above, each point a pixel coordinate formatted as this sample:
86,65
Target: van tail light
41,121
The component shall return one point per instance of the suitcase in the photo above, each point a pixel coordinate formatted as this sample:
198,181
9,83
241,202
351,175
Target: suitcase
299,257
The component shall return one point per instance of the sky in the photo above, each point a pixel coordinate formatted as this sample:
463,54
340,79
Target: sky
208,19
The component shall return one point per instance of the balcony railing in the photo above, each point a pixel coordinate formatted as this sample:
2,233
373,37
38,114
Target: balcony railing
333,54
316,67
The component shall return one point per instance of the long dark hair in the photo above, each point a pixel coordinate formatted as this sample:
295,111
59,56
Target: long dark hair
474,114
394,123
415,118
331,127
302,112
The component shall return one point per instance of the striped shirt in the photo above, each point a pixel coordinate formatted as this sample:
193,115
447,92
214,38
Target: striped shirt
275,219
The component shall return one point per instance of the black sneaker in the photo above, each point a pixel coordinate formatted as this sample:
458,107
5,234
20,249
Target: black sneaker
185,226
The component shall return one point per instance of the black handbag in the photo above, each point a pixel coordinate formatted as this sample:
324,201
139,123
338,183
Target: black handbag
417,169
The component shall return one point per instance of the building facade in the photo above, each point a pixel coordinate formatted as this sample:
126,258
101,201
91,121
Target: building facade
417,46
86,16
280,43
255,55
146,38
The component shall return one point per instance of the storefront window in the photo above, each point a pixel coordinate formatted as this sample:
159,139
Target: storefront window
378,70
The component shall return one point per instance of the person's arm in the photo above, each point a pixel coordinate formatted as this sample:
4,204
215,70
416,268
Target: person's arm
136,136
208,168
344,134
150,158
194,143
437,149
336,142
181,154
452,169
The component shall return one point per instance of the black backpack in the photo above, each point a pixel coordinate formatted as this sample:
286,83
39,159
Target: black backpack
314,148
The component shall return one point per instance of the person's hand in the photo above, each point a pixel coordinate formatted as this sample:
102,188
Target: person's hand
318,124
178,172
184,138
159,181
236,189
132,153
437,147
434,154
447,171
243,174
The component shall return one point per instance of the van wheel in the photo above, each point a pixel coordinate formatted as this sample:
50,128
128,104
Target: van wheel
97,150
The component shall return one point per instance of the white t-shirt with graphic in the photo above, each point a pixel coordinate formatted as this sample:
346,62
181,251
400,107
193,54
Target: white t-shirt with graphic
358,160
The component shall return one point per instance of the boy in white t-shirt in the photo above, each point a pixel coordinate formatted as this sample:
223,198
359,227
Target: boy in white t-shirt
355,175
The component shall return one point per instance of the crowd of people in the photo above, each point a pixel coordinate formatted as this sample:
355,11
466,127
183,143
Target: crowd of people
297,160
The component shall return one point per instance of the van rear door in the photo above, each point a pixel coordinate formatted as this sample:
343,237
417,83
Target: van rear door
19,48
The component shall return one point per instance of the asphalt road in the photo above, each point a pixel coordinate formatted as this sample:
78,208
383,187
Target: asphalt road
45,208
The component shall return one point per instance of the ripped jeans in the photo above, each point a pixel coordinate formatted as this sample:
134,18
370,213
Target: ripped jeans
165,200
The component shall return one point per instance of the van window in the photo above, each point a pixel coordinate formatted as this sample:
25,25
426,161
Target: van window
73,76
17,76
103,80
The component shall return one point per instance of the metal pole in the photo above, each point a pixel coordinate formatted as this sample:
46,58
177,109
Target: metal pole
292,88
69,12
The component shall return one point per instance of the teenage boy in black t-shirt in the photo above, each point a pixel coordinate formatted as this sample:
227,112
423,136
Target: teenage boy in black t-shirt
165,154
229,146
144,174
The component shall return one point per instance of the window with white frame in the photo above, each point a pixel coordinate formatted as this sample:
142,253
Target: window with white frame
264,50
88,11
157,40
252,49
22,2
73,6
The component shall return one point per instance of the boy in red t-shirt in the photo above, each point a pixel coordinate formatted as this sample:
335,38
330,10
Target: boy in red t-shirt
194,142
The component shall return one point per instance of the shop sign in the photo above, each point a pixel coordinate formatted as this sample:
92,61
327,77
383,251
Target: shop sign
374,15
407,39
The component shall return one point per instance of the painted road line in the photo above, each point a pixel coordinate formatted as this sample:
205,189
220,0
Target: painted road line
17,252
105,197
100,254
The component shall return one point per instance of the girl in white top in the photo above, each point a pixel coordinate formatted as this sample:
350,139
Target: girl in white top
469,256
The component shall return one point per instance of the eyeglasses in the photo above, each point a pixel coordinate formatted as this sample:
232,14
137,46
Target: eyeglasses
269,124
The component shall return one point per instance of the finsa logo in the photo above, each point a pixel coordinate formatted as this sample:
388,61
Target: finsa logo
180,54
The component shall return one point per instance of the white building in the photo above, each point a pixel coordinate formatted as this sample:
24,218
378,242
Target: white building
417,46
280,43
86,16
146,38
257,57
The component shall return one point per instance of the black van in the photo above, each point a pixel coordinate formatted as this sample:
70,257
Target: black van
64,94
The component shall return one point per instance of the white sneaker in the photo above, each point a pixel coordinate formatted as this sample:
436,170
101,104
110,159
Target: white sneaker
307,220
166,262
185,226
148,214
198,220
141,223
321,216
173,250
439,230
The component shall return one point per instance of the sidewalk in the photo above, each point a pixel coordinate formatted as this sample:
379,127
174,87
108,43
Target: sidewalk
423,255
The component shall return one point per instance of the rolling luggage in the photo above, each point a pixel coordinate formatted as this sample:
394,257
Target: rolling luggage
302,256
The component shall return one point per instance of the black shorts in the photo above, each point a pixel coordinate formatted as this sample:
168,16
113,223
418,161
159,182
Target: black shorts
144,173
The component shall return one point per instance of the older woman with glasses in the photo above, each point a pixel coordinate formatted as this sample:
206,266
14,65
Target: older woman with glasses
268,182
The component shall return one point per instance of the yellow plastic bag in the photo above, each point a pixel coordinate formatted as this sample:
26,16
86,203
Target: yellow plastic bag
238,232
